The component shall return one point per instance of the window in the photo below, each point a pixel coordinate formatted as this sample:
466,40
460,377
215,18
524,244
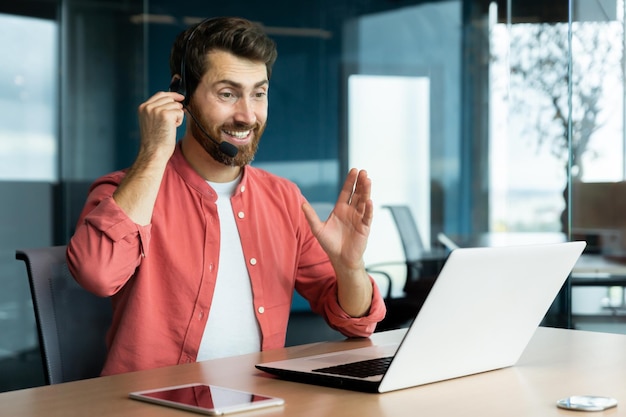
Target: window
28,99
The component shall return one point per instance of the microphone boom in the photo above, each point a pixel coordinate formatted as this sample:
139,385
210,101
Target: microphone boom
226,148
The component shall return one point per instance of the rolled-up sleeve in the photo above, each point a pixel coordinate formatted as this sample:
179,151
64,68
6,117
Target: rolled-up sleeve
107,245
316,282
355,326
321,292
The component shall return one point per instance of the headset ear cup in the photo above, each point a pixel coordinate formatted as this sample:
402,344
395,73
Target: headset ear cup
177,85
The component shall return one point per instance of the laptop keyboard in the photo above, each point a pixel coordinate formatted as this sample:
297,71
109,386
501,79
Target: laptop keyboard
360,369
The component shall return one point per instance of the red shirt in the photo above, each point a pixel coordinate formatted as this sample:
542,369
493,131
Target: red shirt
161,276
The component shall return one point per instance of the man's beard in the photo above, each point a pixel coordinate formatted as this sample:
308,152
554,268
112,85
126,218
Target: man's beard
245,153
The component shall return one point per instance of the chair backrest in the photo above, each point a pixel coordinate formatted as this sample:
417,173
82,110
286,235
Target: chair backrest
71,322
409,233
423,265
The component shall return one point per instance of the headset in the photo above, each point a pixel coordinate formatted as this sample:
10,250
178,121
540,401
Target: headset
179,85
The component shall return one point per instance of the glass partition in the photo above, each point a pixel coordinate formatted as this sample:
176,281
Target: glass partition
70,74
28,167
598,186
556,142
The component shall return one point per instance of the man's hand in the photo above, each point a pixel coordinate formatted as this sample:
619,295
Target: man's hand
159,117
343,236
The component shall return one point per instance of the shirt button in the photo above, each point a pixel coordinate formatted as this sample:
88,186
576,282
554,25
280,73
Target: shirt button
240,215
252,261
261,310
200,315
243,188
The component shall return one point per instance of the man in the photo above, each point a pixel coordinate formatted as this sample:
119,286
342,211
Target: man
201,252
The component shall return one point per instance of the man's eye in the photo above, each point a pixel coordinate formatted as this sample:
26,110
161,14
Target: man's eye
227,95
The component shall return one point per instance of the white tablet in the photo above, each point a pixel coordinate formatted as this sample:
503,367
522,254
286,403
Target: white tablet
206,399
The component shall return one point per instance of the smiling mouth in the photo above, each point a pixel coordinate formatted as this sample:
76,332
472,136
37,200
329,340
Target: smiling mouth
238,134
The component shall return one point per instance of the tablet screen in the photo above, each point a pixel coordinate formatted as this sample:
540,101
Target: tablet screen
206,398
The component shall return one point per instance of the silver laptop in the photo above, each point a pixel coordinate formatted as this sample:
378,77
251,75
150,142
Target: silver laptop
479,316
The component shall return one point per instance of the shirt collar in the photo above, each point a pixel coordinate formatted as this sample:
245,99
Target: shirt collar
192,178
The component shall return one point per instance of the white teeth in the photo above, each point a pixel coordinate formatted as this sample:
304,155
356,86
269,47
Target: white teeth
238,135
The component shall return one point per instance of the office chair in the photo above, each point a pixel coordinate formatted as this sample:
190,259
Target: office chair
71,322
422,268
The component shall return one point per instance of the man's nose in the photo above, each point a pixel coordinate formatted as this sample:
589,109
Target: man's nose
245,111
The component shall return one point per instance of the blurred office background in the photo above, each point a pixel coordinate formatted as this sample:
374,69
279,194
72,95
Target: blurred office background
496,122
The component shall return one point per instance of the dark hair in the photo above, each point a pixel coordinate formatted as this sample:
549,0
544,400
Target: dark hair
238,36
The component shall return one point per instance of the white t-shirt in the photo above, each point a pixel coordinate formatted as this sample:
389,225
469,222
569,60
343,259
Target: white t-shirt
231,328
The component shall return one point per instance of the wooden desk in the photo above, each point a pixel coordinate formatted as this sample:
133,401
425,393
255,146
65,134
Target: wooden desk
557,363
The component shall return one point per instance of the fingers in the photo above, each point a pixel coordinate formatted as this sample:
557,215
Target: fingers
159,116
356,192
345,195
163,106
356,189
362,188
312,218
368,213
